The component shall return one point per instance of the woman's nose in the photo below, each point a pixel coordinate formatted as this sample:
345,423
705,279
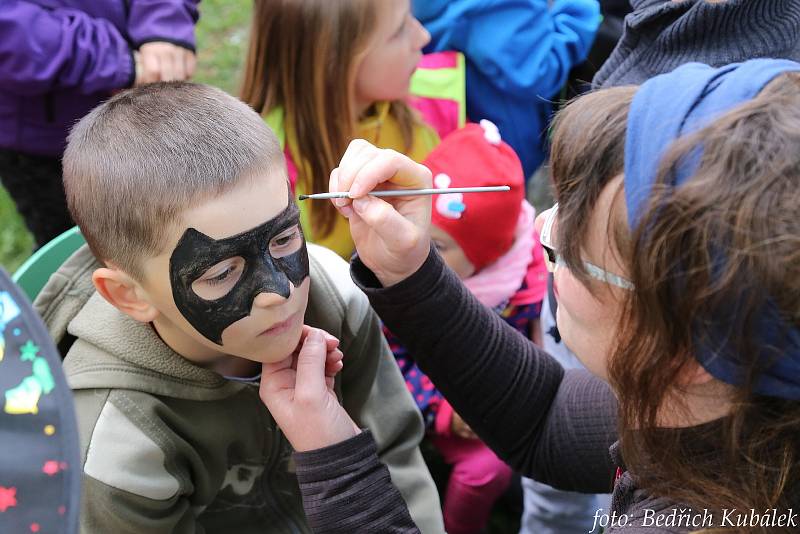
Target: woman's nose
539,222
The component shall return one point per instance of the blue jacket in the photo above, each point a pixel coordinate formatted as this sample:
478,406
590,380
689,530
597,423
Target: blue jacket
519,54
60,58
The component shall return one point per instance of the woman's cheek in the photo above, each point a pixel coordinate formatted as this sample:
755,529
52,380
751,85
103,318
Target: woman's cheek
585,324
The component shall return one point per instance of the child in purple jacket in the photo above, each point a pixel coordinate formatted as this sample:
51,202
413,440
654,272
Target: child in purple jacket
58,60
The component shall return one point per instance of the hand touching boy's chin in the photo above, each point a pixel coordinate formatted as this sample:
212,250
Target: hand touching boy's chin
272,330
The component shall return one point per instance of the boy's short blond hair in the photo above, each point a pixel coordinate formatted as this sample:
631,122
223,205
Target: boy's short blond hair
137,161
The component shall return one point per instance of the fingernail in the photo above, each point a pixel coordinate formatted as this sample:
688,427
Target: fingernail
347,211
360,204
316,336
331,337
339,202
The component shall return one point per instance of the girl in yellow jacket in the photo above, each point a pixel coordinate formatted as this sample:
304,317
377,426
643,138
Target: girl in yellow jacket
323,73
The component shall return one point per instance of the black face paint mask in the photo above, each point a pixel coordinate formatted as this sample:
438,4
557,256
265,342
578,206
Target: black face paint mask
195,253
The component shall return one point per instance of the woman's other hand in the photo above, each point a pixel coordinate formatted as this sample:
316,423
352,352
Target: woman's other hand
299,394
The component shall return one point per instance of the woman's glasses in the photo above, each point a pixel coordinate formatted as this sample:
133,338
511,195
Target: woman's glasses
552,259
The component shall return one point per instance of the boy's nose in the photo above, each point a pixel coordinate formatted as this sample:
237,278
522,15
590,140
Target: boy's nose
265,300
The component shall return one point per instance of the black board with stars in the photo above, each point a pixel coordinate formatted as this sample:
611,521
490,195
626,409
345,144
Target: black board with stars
39,455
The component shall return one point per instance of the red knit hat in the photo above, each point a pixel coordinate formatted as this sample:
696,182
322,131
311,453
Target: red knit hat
482,224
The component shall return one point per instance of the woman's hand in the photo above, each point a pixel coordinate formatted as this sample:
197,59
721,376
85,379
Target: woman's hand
298,392
391,235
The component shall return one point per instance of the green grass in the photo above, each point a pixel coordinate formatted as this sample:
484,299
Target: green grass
221,42
221,39
16,242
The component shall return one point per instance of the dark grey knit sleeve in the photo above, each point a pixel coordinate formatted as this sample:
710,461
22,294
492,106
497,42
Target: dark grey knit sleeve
661,35
508,390
347,490
572,449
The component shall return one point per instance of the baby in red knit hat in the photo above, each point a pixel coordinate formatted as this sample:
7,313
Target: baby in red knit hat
489,240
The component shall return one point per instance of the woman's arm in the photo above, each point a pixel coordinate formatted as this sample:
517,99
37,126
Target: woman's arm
510,392
347,489
345,486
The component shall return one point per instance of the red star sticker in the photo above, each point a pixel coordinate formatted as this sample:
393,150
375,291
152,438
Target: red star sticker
50,467
8,498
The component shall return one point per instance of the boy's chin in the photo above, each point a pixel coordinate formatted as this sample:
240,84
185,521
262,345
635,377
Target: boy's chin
277,348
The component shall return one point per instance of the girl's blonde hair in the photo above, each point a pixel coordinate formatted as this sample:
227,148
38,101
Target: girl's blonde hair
303,57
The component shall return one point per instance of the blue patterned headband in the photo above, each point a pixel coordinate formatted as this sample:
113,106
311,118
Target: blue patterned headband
676,104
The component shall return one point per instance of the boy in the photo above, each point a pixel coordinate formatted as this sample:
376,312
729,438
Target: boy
203,275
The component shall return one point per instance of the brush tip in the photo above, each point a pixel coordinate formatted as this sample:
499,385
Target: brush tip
302,197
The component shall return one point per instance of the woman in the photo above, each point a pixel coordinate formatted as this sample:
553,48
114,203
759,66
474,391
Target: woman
678,282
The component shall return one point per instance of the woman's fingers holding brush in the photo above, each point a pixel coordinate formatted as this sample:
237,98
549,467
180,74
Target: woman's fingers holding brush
391,235
355,157
365,167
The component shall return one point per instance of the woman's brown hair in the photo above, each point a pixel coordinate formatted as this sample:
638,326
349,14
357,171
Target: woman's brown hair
727,239
302,57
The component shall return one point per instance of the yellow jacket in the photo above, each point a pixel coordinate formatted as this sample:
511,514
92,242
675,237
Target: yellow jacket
380,129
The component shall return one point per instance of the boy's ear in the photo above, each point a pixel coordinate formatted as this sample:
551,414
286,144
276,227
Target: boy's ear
124,293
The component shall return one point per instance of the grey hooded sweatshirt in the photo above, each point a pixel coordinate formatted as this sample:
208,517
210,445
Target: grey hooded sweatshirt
171,447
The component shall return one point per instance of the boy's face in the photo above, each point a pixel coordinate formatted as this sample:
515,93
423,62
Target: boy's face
233,278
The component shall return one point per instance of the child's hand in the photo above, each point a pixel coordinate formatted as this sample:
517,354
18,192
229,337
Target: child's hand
460,428
165,62
391,235
298,392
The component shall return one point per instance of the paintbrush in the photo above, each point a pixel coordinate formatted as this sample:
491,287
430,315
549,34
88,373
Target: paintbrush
409,192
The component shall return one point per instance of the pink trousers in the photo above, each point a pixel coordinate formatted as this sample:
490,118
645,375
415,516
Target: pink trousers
478,479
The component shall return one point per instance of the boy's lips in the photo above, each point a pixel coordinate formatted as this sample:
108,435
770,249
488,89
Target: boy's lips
283,326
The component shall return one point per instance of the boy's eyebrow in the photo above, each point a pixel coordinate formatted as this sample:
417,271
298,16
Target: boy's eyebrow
290,219
285,218
281,220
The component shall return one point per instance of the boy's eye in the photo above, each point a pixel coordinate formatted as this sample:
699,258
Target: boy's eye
217,281
286,243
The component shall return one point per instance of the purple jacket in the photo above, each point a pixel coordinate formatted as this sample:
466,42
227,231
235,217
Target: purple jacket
60,58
